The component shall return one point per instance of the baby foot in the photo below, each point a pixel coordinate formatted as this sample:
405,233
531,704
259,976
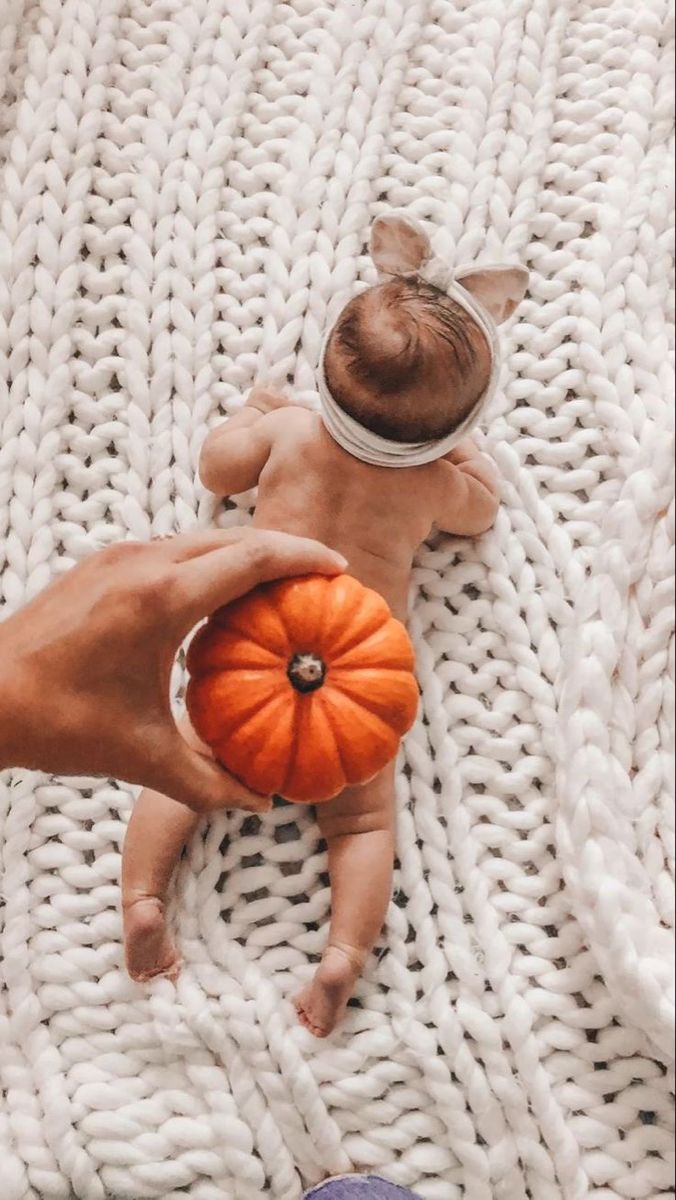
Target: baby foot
322,1005
149,950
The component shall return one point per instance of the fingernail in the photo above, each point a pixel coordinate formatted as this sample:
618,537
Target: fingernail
340,561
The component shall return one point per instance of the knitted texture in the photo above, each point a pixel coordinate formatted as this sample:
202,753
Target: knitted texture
186,190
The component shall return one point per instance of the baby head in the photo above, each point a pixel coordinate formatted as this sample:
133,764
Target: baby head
406,359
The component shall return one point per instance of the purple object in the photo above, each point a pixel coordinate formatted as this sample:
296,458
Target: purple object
360,1187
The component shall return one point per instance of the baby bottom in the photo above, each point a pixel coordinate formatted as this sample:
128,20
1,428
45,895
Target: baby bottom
359,830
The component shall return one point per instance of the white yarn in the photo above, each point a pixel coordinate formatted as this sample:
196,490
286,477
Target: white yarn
185,190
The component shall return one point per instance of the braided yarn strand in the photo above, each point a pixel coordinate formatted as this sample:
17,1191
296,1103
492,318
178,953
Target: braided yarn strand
185,194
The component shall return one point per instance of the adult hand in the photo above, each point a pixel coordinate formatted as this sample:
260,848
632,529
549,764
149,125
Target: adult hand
85,668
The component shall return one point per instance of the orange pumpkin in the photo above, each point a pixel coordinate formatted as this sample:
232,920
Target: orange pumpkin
303,687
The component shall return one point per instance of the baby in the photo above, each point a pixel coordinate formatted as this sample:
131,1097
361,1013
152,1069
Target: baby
405,373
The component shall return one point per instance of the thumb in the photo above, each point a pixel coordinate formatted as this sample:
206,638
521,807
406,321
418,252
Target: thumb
201,784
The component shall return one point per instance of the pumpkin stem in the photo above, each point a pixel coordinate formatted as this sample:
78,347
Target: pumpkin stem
307,672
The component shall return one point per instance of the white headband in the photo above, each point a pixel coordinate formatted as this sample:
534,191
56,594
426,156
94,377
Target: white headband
379,451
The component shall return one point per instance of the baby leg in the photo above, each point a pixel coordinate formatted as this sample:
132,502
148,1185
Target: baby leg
158,830
359,830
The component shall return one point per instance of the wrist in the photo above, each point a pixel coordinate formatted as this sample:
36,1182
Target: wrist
465,451
249,413
264,400
10,703
19,704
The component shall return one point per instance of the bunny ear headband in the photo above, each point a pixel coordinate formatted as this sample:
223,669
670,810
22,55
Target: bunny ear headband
400,247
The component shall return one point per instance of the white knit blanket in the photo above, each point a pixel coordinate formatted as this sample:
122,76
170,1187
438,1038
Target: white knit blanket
185,192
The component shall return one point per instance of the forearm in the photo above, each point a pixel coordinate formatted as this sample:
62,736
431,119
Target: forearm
469,459
255,407
244,418
37,724
482,470
470,491
8,738
17,720
231,459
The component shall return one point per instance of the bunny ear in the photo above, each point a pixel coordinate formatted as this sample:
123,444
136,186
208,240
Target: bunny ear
399,245
499,289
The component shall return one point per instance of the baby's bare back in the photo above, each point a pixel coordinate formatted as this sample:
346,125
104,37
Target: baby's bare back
374,516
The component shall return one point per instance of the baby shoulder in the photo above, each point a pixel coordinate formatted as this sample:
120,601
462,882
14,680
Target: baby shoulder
293,421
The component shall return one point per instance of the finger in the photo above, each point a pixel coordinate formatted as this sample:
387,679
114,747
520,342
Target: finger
185,546
198,782
212,580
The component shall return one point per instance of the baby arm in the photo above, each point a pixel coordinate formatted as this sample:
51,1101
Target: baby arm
468,498
235,453
359,830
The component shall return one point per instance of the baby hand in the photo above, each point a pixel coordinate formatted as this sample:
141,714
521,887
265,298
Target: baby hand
267,399
465,451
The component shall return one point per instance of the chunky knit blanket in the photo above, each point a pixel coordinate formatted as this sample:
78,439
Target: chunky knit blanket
185,192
